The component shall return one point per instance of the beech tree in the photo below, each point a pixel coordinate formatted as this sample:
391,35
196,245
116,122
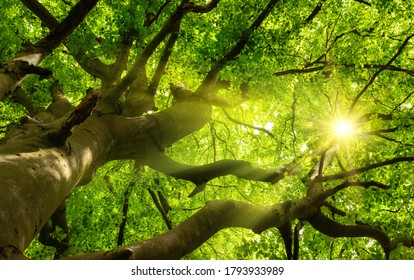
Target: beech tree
206,129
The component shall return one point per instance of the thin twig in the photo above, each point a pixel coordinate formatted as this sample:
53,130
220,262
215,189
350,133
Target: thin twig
248,125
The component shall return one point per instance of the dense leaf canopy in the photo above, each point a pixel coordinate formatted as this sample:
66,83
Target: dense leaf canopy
324,85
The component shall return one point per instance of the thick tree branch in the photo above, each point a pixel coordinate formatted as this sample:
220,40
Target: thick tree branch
220,214
61,31
184,8
26,101
334,229
200,175
41,12
14,71
93,66
216,215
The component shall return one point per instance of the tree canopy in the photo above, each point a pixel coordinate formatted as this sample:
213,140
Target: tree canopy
247,129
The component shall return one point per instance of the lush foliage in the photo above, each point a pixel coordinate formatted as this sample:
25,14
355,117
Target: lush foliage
304,69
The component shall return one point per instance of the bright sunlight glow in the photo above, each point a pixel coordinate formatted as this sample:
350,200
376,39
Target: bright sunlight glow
343,128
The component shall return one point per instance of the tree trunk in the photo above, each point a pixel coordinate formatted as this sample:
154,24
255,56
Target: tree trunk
35,181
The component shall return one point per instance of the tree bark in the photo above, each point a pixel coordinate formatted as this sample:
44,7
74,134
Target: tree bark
35,180
15,70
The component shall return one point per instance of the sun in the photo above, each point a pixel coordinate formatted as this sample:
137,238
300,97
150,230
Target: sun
343,128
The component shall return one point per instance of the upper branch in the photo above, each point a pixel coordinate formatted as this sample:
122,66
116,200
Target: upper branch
41,12
152,18
353,172
121,61
235,51
315,11
94,66
15,70
371,81
298,71
184,8
159,72
61,31
204,9
363,2
316,173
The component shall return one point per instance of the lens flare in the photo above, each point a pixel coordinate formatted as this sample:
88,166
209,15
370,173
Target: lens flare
343,128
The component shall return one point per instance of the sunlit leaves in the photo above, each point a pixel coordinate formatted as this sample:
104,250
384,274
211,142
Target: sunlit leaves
348,40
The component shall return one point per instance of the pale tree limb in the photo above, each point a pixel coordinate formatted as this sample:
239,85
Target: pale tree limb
219,214
140,95
201,175
27,102
93,66
213,217
60,104
15,70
